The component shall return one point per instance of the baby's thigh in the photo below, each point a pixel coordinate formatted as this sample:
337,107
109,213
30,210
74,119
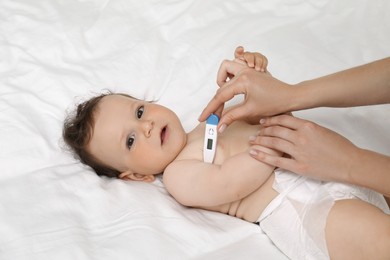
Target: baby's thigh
357,230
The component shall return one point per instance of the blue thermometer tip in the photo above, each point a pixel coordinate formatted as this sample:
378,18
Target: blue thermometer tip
212,120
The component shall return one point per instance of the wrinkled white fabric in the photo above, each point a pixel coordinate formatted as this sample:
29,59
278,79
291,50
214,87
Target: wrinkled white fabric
295,220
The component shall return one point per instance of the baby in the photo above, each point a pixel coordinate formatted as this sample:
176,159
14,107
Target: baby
120,136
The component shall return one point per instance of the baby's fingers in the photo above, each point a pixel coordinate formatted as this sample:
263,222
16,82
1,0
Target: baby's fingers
261,63
250,59
239,52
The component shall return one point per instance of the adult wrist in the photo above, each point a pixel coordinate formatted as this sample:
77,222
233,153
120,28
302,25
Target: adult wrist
356,167
302,96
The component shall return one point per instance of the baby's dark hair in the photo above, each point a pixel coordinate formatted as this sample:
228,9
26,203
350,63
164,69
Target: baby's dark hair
77,132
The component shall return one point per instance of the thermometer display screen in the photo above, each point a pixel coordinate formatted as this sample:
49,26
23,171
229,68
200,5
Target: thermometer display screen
209,143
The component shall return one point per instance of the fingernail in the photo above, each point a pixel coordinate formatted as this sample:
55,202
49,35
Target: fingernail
252,138
222,128
252,152
262,121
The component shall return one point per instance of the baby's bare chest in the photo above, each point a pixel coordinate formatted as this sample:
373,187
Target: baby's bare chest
234,140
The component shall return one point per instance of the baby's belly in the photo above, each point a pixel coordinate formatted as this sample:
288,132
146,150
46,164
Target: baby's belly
251,207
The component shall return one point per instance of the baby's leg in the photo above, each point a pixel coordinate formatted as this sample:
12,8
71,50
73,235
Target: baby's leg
357,230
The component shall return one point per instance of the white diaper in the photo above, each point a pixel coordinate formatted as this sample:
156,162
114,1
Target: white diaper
295,220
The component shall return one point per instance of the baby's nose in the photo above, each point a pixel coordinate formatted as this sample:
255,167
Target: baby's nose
147,127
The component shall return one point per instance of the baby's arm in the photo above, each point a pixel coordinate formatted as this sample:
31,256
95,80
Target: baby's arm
198,184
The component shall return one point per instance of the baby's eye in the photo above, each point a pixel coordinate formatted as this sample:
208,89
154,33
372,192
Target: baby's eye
140,112
130,141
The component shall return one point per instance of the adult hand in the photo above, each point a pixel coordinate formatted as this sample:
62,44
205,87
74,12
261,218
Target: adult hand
312,150
320,153
264,95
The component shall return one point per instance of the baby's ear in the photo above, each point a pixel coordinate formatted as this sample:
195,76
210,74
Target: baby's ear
130,176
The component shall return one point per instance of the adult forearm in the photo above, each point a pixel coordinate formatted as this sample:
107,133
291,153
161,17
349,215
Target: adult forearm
371,170
363,85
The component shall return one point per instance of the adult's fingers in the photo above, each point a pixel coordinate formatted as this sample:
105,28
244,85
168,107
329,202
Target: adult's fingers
223,95
274,160
226,90
283,120
227,68
234,113
240,61
275,143
219,111
278,131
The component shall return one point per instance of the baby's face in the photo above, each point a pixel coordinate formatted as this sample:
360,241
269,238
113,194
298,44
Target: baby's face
135,136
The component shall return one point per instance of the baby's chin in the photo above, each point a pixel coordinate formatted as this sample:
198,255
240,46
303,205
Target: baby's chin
161,169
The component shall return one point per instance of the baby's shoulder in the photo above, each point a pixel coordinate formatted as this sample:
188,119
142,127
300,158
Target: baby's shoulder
179,176
182,163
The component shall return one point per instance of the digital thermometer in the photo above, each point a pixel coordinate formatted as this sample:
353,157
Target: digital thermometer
210,138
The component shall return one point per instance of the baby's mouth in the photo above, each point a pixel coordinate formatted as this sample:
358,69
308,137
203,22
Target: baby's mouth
162,135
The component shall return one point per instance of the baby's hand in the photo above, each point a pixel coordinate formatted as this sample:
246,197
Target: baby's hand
252,59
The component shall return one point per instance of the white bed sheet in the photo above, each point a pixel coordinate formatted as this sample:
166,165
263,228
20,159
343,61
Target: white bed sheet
55,53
